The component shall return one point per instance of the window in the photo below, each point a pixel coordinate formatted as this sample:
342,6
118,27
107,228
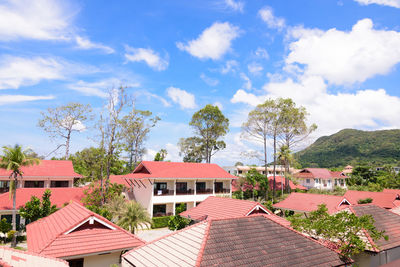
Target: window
4,186
159,210
200,186
240,171
75,262
329,182
181,187
307,181
59,184
219,187
34,184
316,181
160,186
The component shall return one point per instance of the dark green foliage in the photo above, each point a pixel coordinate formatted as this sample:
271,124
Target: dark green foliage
36,209
352,147
343,228
93,194
177,222
101,210
5,227
160,222
365,178
180,208
364,201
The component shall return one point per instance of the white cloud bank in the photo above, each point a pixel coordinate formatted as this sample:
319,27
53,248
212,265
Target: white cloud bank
147,55
86,44
273,22
213,42
392,3
13,99
345,57
184,99
235,5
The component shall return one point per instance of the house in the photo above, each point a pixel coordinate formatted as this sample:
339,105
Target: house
48,173
305,203
244,241
387,199
79,236
160,186
242,170
387,250
348,169
12,257
59,197
321,178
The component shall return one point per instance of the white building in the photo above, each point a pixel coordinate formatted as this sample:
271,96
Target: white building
321,178
242,170
161,186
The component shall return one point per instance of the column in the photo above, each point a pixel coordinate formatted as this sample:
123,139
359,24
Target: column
214,187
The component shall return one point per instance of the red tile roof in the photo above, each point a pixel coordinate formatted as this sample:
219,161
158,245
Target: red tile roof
16,257
244,241
319,173
164,169
384,220
59,196
385,200
58,234
47,169
221,208
303,202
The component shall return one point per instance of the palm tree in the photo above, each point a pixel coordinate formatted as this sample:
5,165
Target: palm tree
13,159
133,216
117,207
285,157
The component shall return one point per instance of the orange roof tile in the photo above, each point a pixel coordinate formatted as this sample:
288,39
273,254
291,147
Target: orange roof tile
47,169
385,200
319,173
57,234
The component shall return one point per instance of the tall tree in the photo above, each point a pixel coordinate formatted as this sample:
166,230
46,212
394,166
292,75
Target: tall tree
209,125
133,216
191,149
13,159
258,126
285,158
135,129
161,155
62,121
36,209
294,128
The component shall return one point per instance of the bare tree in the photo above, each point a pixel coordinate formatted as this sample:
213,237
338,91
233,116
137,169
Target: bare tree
62,121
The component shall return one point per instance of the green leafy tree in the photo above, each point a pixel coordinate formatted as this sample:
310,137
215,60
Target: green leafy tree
93,196
36,209
209,125
62,121
116,207
344,229
177,222
13,159
192,149
5,227
286,159
133,217
161,155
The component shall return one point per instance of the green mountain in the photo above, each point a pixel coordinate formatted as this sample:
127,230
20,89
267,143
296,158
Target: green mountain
352,147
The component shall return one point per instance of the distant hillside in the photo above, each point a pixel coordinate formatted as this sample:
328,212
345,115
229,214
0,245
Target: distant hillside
351,146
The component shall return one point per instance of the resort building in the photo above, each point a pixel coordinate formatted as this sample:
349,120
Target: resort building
81,237
242,170
48,173
279,182
18,258
59,197
245,241
321,178
161,186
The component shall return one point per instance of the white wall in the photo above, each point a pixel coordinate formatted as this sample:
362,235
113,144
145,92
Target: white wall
143,195
102,260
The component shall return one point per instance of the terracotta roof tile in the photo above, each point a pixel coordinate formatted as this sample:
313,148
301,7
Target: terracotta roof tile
385,199
319,173
304,202
47,168
49,235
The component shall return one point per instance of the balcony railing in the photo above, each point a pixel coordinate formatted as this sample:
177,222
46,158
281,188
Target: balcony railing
163,192
185,192
204,191
222,191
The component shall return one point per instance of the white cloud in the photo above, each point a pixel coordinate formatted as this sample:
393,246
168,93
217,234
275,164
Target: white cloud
345,57
92,88
208,80
219,105
235,5
13,99
154,96
213,42
184,99
230,66
255,68
147,55
261,53
267,15
86,44
242,96
392,3
247,82
18,71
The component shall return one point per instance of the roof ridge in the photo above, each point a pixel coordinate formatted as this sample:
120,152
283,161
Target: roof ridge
203,244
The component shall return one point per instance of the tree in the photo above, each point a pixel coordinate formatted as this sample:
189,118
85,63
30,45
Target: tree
209,125
258,126
62,121
343,228
285,158
116,207
5,227
133,216
36,209
177,222
161,155
135,129
13,159
191,149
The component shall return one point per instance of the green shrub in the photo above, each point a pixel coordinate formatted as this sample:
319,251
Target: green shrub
177,223
364,201
160,222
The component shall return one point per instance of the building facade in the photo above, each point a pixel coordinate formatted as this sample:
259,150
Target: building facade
319,178
161,186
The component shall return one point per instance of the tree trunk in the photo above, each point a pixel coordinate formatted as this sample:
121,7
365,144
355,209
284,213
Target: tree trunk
266,166
67,146
14,212
274,187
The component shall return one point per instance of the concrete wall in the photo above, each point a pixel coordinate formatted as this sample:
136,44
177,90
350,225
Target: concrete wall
368,259
330,184
144,194
24,259
102,260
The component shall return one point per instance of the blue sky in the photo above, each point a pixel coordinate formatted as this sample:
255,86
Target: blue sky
337,58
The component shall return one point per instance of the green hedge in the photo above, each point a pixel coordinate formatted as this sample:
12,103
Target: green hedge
160,222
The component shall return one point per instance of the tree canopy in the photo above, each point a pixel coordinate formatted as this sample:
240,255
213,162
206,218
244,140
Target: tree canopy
36,209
